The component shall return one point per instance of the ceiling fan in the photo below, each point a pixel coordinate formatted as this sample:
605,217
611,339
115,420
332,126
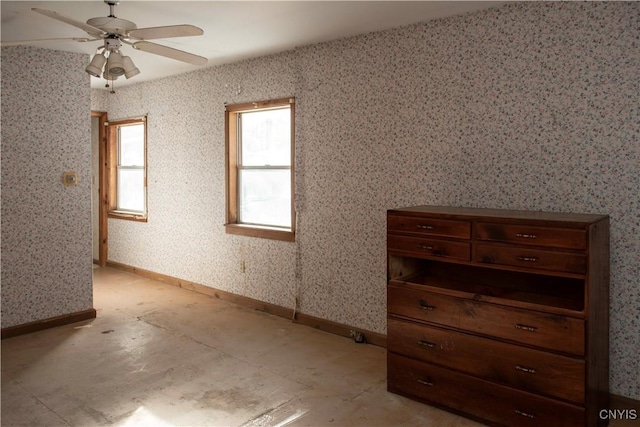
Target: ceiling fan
108,61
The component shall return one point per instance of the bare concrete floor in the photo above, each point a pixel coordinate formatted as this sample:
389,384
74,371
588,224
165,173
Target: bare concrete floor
158,356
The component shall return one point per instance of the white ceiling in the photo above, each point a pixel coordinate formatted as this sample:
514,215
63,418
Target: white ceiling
233,30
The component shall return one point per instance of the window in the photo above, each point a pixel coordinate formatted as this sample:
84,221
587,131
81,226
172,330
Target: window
260,169
127,161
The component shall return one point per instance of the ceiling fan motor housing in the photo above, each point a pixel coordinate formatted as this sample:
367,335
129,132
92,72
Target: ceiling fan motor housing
112,25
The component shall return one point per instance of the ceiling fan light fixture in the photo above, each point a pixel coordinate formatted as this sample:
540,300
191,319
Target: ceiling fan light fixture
95,66
115,66
130,69
107,76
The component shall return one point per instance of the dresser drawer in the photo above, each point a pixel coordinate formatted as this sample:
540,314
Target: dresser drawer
495,403
538,329
525,368
429,226
532,235
519,256
428,248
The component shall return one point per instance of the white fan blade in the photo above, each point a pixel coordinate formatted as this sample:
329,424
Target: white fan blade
91,30
165,32
68,39
178,55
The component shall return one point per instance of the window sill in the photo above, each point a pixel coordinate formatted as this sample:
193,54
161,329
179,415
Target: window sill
261,232
127,216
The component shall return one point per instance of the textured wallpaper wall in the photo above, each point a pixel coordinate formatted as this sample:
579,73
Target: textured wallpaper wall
184,236
527,106
46,227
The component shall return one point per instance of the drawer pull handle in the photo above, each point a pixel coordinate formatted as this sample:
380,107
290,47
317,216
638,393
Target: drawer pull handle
527,258
424,227
427,344
526,236
427,247
426,382
526,327
525,414
425,306
525,369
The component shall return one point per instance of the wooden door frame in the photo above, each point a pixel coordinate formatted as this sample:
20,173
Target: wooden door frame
103,234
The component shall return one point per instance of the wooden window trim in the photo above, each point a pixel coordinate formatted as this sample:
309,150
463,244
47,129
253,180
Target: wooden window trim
231,167
112,163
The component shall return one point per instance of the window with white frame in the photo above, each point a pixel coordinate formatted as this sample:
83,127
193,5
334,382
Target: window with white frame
260,169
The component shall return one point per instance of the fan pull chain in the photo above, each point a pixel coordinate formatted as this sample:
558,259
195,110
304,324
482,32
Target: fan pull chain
112,86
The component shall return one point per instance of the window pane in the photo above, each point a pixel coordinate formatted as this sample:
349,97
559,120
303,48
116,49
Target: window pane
265,197
266,138
132,145
131,190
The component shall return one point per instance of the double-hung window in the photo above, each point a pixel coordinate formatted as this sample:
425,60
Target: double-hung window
260,169
127,160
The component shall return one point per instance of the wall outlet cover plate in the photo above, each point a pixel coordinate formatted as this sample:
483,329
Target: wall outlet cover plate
70,179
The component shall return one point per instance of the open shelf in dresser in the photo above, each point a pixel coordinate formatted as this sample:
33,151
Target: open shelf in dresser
553,294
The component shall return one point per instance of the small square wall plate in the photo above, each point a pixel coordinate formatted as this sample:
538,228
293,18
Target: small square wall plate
70,179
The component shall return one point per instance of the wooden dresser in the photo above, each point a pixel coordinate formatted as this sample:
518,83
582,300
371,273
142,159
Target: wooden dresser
500,315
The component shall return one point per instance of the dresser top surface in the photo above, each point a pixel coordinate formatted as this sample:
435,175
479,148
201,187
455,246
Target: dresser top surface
505,214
